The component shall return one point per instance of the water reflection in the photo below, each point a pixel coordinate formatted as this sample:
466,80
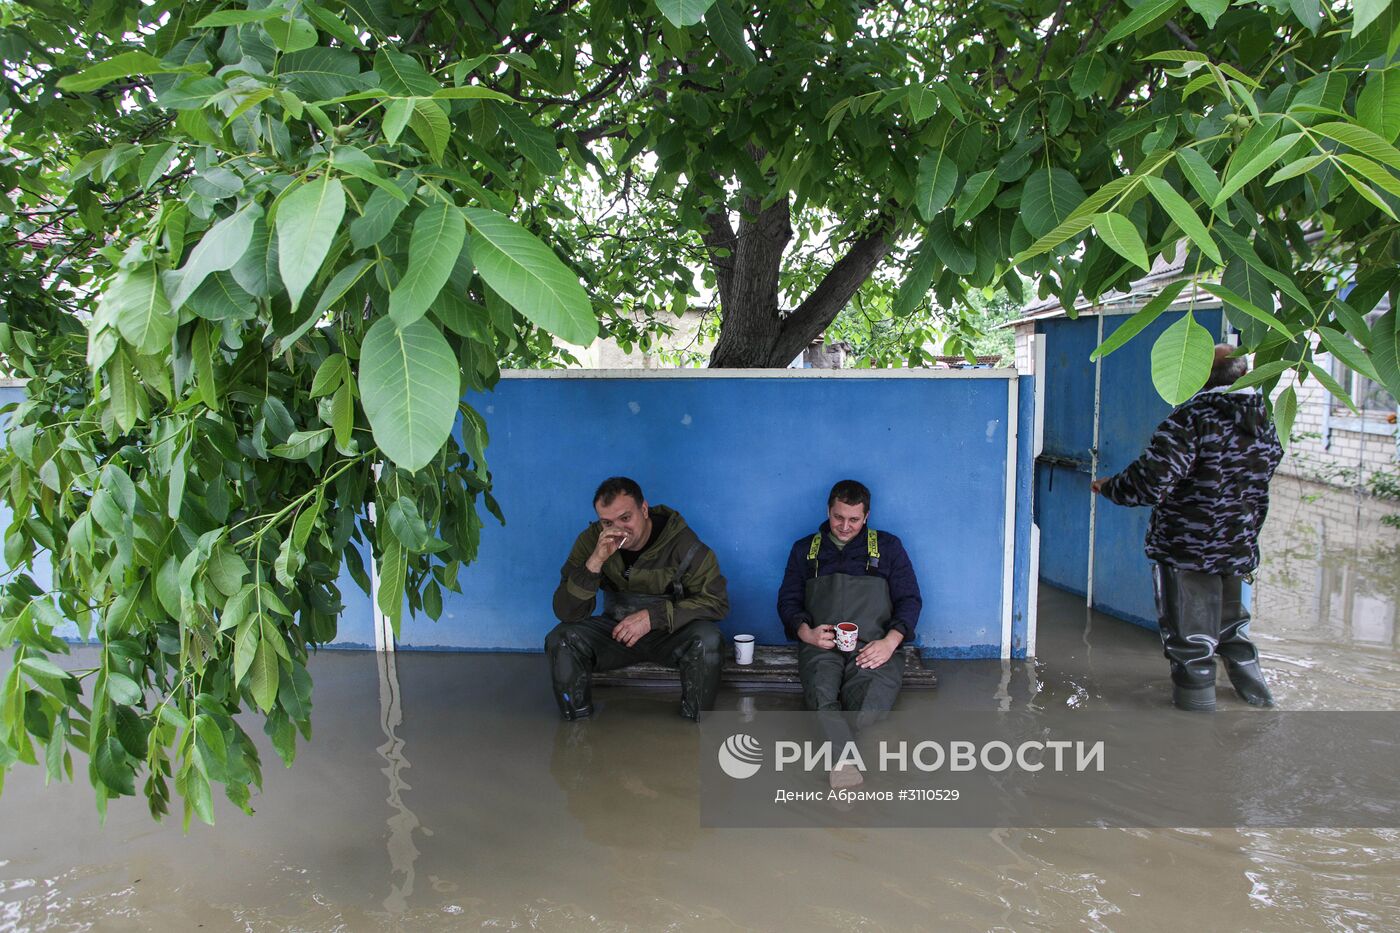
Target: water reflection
403,851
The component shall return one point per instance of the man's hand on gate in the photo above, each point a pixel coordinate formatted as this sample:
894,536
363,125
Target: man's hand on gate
879,651
822,636
608,543
632,627
1097,485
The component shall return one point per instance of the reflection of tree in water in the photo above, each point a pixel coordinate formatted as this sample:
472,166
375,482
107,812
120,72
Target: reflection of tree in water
625,791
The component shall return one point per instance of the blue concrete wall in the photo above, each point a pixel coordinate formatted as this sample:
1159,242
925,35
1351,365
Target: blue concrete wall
1130,410
748,461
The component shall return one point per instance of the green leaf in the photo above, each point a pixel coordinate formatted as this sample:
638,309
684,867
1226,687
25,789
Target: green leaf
343,415
332,24
1088,73
291,35
1245,306
1241,248
1247,172
1373,173
1050,194
407,525
917,280
110,761
336,289
1210,10
1309,12
122,689
121,66
1183,216
43,667
381,211
726,27
1331,385
524,272
430,124
1122,237
126,392
1366,13
333,371
409,382
1378,104
136,301
1385,334
320,73
534,141
238,17
1348,353
1362,140
935,184
204,348
217,251
1139,321
263,676
402,75
1147,14
301,444
1262,374
1181,360
393,572
683,13
307,221
1285,411
396,118
438,234
1199,173
976,194
1295,168
471,92
245,644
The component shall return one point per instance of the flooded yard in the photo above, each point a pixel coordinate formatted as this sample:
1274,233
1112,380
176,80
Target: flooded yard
441,792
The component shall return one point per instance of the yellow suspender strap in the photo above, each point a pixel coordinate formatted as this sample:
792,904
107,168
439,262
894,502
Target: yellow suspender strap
871,544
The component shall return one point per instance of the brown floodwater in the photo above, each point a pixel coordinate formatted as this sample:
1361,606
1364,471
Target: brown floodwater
441,792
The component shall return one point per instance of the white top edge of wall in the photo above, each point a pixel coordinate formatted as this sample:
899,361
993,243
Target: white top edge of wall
12,383
758,374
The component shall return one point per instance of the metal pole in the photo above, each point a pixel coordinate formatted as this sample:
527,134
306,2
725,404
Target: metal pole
1094,467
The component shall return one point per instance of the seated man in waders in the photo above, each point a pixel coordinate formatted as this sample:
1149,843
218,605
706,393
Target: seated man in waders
849,572
662,594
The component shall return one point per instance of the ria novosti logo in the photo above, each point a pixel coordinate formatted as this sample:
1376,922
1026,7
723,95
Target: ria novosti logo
741,756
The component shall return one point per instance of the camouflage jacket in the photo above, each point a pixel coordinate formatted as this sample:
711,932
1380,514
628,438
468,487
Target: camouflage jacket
704,594
1206,474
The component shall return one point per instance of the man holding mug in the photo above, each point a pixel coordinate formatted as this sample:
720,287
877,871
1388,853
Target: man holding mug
849,573
662,594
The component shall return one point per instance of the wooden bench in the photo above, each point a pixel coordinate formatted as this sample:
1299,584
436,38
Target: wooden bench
774,667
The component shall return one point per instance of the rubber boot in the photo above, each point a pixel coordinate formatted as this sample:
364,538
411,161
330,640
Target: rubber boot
699,664
1248,681
1188,609
569,673
1240,654
1194,698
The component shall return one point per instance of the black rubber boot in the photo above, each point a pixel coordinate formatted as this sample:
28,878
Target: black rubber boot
1248,681
569,672
1240,654
1188,619
699,662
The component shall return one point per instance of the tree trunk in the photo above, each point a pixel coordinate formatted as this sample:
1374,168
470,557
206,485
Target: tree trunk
754,332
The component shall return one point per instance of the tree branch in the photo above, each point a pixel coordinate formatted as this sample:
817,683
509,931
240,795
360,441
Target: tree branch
815,314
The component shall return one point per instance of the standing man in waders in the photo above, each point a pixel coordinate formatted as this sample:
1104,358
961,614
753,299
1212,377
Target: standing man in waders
849,572
662,594
1206,474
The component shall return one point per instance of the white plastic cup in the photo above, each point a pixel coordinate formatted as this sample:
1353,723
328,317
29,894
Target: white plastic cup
846,633
743,649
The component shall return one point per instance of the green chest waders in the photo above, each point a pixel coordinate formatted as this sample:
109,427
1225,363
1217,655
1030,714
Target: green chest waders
830,678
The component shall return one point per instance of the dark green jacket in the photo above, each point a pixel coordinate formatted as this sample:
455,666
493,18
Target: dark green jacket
705,596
